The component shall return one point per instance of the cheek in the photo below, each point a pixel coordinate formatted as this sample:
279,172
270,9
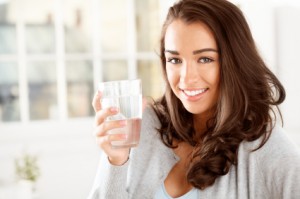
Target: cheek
214,77
215,82
170,75
172,79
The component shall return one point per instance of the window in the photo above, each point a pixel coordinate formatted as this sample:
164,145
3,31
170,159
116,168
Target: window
53,53
42,90
9,70
9,92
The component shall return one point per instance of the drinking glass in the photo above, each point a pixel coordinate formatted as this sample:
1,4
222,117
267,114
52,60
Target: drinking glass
126,95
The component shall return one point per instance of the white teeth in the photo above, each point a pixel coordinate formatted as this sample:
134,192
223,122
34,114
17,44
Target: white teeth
194,92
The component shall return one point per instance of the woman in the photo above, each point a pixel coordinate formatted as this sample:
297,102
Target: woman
213,134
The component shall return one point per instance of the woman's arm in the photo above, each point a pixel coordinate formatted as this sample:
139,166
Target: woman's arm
110,180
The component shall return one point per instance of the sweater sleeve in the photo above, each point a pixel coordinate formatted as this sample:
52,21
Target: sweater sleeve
280,167
110,181
141,173
288,178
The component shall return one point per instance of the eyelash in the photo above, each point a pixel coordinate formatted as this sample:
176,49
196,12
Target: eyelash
202,60
207,60
173,60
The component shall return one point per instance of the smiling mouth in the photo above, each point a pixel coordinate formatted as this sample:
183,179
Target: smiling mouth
192,93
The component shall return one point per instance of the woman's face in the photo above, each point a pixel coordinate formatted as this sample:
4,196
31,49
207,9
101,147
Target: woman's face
192,65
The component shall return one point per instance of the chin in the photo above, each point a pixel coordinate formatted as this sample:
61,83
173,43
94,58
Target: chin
193,109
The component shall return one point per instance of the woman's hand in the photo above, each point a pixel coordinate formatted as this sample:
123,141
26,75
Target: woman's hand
116,156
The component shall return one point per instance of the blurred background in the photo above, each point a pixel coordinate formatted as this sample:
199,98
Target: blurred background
53,53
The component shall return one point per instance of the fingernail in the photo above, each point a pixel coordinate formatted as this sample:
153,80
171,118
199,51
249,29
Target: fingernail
124,136
114,109
98,93
123,122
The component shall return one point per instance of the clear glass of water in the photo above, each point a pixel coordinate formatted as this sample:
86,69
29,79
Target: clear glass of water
126,95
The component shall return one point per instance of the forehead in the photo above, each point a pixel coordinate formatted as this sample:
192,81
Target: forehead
180,35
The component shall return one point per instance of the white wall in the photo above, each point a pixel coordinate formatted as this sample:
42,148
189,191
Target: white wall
260,17
288,37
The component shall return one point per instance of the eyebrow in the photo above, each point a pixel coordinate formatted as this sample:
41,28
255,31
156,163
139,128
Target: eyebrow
174,52
205,50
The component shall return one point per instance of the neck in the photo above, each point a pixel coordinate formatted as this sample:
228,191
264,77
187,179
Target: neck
200,124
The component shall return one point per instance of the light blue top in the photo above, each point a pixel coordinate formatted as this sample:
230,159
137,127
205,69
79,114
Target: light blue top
161,193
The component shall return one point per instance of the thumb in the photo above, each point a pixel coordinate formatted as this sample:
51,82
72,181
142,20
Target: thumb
96,101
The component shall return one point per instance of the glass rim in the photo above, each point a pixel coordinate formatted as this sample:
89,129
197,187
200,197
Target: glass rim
118,81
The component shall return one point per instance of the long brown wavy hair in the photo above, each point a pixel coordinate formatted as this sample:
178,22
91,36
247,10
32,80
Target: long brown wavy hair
248,100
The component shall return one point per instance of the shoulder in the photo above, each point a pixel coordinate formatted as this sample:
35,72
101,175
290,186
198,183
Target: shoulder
277,163
278,155
150,119
278,145
150,125
281,152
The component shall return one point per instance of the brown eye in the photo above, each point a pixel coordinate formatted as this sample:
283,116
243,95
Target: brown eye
174,60
205,60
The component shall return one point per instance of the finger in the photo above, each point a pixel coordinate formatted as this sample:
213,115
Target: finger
104,113
103,129
96,101
117,137
103,142
106,141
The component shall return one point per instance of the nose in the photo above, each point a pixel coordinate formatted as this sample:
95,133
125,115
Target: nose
189,73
